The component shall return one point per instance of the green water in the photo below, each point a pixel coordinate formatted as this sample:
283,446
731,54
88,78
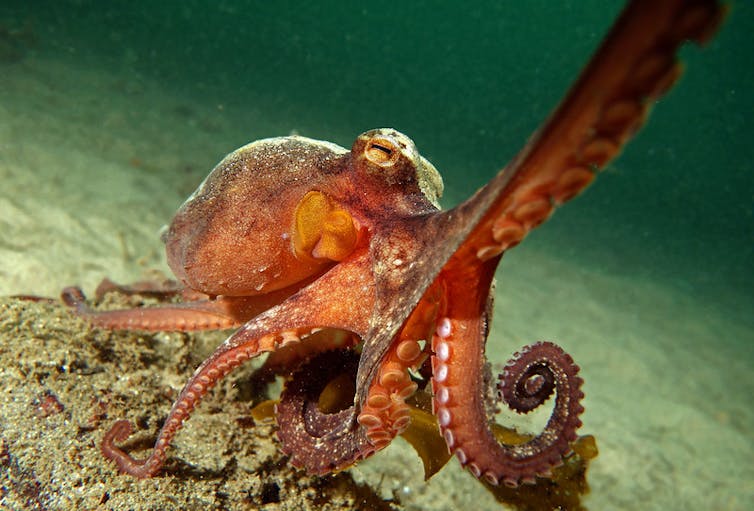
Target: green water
469,83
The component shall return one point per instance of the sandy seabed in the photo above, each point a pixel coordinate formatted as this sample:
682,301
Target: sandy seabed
668,376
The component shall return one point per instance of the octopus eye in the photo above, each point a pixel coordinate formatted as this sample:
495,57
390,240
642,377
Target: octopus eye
382,151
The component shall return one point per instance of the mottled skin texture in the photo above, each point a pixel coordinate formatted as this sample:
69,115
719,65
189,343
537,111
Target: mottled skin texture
291,236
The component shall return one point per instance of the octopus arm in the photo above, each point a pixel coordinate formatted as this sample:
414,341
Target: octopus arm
459,388
322,442
634,66
201,314
295,319
317,440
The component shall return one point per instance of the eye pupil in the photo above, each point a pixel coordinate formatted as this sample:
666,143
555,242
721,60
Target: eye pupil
382,148
381,151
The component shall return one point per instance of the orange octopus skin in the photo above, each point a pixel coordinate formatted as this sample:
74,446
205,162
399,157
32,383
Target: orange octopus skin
290,236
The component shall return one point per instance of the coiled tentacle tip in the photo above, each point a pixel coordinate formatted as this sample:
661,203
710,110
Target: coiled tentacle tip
119,432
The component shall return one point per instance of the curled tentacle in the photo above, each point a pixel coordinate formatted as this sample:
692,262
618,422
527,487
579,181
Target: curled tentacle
528,381
525,384
318,441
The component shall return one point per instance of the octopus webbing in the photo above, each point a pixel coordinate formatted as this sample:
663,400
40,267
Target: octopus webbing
340,262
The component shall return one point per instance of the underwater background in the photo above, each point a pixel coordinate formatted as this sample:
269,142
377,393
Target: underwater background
112,113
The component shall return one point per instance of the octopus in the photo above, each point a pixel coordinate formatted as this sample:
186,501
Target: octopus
340,264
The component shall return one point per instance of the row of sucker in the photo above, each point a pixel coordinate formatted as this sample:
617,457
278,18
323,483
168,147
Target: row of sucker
384,412
652,75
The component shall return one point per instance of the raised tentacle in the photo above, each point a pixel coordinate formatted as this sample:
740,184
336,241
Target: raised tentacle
634,66
309,310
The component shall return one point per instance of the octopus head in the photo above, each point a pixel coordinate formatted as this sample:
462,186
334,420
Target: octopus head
387,154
